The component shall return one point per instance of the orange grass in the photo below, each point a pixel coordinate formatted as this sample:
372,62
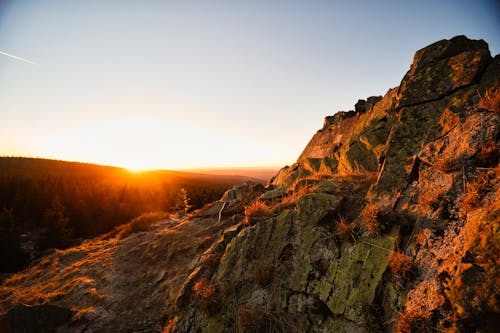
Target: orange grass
347,231
257,209
490,100
369,217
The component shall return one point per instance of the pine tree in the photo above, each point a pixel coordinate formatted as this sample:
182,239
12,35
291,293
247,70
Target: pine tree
182,202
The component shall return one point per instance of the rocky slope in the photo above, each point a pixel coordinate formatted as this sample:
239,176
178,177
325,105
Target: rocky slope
389,221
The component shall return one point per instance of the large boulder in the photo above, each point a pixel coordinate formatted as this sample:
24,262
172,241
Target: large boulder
443,67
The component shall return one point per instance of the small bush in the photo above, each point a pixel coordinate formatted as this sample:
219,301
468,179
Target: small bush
141,223
401,265
370,219
490,100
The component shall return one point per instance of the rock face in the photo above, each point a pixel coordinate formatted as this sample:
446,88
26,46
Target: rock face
387,222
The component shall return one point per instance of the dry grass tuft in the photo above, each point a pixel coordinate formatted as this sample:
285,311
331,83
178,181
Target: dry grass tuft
490,100
474,192
141,223
291,199
370,218
401,265
347,231
256,320
203,289
205,295
257,209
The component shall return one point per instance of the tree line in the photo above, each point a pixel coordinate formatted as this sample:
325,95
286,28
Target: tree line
54,204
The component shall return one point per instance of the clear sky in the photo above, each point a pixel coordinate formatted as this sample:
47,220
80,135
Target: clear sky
184,84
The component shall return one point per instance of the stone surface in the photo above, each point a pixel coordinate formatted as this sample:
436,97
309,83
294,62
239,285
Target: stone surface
442,67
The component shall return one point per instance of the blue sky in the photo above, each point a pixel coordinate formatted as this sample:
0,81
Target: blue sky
179,84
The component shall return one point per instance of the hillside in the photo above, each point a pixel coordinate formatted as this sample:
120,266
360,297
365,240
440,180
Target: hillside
54,204
387,222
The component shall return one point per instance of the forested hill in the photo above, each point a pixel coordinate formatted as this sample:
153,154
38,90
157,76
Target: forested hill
49,203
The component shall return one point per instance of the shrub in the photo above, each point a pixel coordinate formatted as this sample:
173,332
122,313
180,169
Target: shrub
401,265
141,223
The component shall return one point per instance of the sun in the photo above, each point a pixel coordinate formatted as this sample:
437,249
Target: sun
136,169
135,163
136,166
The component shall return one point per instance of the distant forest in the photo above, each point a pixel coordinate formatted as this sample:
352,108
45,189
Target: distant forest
53,204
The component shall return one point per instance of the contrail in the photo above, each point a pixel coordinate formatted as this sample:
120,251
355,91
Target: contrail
19,58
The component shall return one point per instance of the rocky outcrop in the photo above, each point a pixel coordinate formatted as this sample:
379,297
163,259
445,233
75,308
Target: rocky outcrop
382,228
387,222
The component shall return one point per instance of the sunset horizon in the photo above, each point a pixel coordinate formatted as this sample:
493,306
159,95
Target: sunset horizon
194,85
141,168
249,166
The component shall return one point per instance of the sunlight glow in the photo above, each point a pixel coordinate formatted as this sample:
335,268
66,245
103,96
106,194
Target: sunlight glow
145,143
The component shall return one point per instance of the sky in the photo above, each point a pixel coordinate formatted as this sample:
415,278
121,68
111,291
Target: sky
193,84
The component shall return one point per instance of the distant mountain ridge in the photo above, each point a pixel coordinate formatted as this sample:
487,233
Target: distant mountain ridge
28,166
